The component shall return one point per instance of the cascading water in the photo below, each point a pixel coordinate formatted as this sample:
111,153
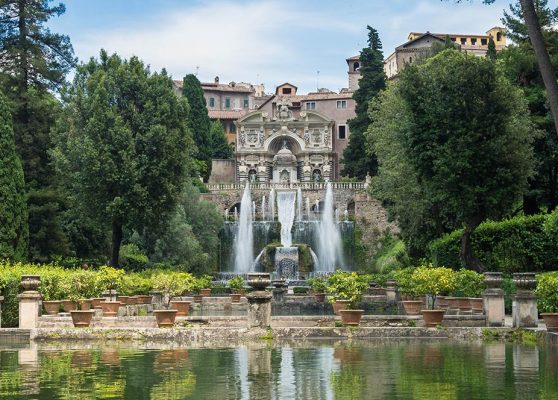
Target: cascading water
308,208
263,208
299,204
244,240
286,214
272,204
330,252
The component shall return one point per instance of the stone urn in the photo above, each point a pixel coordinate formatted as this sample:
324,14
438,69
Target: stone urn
433,318
412,307
351,317
182,307
52,307
493,280
525,281
279,283
110,308
259,281
165,318
30,283
82,318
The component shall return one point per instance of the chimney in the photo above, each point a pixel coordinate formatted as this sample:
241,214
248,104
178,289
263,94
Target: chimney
216,79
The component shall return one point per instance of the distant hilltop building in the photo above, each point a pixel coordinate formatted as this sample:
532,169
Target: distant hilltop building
418,43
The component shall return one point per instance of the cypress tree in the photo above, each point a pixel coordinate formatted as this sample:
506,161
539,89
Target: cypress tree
491,52
220,145
373,79
198,121
13,208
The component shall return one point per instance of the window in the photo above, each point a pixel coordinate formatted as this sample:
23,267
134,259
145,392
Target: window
246,103
463,40
227,102
484,42
211,102
232,127
474,41
356,66
343,103
310,105
499,36
410,60
286,90
453,39
342,132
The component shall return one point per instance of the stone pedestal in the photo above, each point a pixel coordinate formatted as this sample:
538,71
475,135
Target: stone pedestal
279,294
524,310
259,309
391,291
29,306
494,307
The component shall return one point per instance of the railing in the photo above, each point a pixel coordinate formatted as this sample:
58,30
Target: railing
297,185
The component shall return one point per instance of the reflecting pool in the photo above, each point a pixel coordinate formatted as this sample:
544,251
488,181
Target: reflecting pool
310,370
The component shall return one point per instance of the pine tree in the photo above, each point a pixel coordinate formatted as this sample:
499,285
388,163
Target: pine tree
219,143
491,51
13,208
373,79
198,121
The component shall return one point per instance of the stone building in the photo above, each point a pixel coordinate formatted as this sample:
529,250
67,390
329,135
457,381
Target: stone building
419,44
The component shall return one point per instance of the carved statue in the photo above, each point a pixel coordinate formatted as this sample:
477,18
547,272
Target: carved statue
306,136
242,137
284,112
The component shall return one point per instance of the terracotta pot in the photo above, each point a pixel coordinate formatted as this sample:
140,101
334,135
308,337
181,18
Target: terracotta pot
165,318
320,297
182,307
96,302
351,317
339,305
52,307
442,302
476,304
197,298
122,299
432,318
464,304
551,321
412,307
82,318
134,300
235,297
145,299
68,305
85,304
205,292
110,308
453,303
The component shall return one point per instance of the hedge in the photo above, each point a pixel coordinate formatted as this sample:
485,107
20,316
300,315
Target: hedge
520,244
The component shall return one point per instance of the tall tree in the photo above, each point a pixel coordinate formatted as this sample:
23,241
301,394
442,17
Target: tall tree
356,162
198,121
220,145
467,139
13,209
124,145
491,50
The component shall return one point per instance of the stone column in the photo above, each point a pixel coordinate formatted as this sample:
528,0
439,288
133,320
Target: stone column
29,302
493,299
259,301
524,307
391,291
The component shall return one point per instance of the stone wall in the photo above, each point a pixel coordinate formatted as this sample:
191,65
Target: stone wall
222,171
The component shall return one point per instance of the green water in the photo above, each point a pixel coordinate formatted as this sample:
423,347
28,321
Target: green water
434,370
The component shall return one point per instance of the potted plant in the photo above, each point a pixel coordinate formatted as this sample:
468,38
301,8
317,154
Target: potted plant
110,279
50,292
319,287
81,284
237,287
183,284
547,299
411,303
205,283
171,287
349,287
431,281
468,289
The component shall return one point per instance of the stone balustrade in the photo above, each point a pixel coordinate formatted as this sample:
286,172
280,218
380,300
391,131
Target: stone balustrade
293,185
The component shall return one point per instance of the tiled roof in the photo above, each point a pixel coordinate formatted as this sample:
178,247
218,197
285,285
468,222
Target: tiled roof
320,96
354,58
443,35
227,114
219,87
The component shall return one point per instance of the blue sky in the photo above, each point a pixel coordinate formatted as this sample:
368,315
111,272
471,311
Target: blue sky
261,41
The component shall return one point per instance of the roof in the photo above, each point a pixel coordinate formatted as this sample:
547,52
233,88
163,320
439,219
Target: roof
421,35
443,35
354,58
319,96
220,87
227,114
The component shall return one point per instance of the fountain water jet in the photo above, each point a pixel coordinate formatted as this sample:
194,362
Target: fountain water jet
286,214
244,240
299,204
263,208
330,253
272,204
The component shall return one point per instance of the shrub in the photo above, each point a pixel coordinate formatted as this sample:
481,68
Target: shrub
237,283
108,278
347,286
520,244
468,283
547,293
318,284
433,281
300,290
405,284
132,259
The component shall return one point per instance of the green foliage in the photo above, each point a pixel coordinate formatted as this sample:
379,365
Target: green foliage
109,278
301,290
547,292
405,284
135,284
516,29
391,255
356,163
318,284
347,286
198,121
221,149
468,283
81,284
491,50
433,281
237,283
123,141
13,208
518,244
174,284
132,259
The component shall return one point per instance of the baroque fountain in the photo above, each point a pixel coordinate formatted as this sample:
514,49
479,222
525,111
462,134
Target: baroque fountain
286,235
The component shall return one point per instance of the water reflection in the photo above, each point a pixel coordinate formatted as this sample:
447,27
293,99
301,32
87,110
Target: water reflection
343,370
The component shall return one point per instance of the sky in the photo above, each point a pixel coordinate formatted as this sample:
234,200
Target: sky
259,41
